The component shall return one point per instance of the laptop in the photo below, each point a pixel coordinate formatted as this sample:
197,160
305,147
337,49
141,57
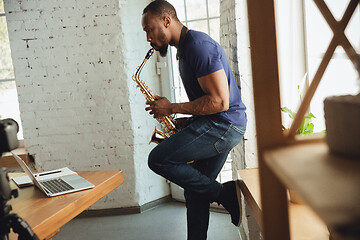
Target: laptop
55,182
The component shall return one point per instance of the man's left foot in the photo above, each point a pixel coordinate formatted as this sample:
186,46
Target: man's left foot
230,198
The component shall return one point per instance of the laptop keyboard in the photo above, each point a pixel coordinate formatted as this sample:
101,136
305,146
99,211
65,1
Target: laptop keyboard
56,185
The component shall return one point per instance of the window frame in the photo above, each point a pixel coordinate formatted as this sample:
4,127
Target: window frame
3,15
12,80
178,88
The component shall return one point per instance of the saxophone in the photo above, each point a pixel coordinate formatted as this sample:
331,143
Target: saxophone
167,122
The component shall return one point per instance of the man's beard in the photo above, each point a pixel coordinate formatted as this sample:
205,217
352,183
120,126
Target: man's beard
163,50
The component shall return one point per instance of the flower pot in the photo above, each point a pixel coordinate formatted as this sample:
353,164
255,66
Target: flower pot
342,119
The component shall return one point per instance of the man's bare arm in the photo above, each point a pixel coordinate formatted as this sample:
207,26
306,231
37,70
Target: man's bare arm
216,98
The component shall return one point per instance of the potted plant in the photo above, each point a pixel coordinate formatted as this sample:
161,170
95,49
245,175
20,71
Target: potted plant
342,120
306,127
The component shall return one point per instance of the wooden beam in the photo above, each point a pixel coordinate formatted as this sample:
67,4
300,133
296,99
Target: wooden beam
267,114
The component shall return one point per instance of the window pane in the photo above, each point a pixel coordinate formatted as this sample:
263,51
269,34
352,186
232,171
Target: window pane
318,32
337,8
215,29
214,8
6,67
9,105
196,9
340,78
2,6
199,26
352,30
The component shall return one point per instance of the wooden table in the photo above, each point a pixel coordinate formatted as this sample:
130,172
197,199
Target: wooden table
46,215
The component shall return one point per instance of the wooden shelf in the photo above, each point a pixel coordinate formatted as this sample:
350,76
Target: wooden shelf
328,183
304,223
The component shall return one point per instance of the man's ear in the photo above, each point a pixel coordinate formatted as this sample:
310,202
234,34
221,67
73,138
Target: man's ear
167,21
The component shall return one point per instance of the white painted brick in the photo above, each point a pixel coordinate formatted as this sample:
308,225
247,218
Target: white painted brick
84,4
30,24
29,5
34,43
58,130
62,13
15,25
51,22
11,6
17,35
30,15
49,5
18,46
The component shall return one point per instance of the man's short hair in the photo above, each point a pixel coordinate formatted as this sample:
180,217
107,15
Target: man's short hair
161,8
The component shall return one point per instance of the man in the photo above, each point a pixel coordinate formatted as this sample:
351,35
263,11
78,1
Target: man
218,122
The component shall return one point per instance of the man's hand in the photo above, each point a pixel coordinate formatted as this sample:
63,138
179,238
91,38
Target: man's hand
161,107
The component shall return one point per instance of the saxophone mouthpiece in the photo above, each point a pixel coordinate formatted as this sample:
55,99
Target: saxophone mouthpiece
150,53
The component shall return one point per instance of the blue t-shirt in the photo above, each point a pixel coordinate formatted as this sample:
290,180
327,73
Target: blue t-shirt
200,56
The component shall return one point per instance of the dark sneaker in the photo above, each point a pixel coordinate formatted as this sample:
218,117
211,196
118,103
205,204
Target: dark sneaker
230,198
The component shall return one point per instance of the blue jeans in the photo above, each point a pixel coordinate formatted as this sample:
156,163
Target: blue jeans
207,141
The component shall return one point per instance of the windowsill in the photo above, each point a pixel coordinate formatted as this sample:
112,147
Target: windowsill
7,160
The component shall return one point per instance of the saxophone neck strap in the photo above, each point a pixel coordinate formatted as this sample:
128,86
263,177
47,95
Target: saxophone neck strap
181,41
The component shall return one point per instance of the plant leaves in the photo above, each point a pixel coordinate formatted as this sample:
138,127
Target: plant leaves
306,126
289,112
310,115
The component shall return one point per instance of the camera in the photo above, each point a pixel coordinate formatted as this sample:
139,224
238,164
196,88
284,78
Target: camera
8,141
8,135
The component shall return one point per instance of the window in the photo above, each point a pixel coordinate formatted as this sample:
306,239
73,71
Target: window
9,105
340,77
303,37
200,15
204,16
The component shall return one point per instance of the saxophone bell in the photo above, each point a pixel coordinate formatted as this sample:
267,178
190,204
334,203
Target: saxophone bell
157,136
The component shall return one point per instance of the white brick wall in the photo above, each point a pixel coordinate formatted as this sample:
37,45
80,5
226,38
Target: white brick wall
235,40
79,107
